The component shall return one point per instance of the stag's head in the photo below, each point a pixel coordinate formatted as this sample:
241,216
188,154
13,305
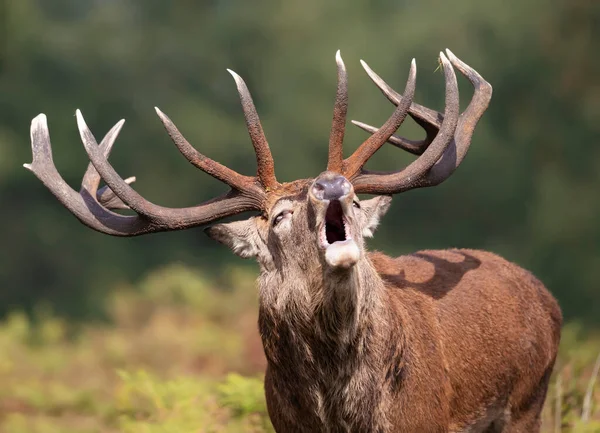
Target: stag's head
309,221
301,223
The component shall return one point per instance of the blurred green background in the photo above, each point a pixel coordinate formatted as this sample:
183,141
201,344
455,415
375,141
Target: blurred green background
528,189
177,310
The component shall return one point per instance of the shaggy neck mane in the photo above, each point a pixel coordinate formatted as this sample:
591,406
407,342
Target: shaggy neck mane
335,307
327,335
346,304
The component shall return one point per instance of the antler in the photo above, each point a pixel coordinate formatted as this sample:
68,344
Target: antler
93,207
338,126
448,136
264,160
447,140
353,165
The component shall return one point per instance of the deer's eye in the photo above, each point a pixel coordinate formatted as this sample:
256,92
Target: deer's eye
283,214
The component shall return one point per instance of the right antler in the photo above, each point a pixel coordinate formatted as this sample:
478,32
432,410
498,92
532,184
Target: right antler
447,140
93,207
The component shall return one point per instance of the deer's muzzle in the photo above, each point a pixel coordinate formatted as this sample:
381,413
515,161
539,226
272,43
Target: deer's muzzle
332,195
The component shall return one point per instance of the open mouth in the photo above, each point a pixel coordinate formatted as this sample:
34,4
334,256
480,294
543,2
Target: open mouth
341,251
335,228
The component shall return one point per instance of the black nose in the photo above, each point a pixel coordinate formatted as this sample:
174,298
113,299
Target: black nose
331,188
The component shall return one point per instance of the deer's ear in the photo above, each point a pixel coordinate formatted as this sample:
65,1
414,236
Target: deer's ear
240,236
372,211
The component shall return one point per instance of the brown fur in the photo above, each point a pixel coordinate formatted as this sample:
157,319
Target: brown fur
436,341
460,339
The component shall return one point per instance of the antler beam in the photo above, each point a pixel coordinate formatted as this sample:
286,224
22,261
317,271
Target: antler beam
93,206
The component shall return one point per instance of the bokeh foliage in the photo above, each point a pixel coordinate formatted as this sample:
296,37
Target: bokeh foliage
165,364
528,189
161,365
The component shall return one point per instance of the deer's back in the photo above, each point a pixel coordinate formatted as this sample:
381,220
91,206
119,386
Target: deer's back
494,324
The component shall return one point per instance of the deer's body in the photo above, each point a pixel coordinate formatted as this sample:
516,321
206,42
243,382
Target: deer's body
437,341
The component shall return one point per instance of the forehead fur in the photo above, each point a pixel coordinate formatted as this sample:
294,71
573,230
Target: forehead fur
295,190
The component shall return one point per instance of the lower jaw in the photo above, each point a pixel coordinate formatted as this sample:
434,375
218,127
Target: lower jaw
342,254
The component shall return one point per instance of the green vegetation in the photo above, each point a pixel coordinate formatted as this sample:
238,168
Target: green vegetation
162,365
182,354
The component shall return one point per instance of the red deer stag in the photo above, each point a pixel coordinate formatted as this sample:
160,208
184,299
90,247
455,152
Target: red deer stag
356,341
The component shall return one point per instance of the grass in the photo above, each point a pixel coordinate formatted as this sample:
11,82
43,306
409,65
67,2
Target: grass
182,354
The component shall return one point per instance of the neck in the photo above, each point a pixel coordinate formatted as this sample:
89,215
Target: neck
335,304
350,300
327,334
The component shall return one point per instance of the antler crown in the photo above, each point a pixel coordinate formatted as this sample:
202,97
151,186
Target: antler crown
447,140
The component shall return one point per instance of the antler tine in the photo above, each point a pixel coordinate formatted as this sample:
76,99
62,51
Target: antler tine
416,147
338,126
92,208
207,165
91,178
466,123
411,176
354,163
431,120
118,186
107,198
416,111
159,215
264,159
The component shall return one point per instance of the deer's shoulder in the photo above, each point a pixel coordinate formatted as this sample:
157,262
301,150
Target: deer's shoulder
436,272
425,265
460,280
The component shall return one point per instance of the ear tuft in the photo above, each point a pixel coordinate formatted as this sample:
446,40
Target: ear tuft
239,236
373,210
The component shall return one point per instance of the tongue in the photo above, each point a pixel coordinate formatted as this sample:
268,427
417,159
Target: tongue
342,254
